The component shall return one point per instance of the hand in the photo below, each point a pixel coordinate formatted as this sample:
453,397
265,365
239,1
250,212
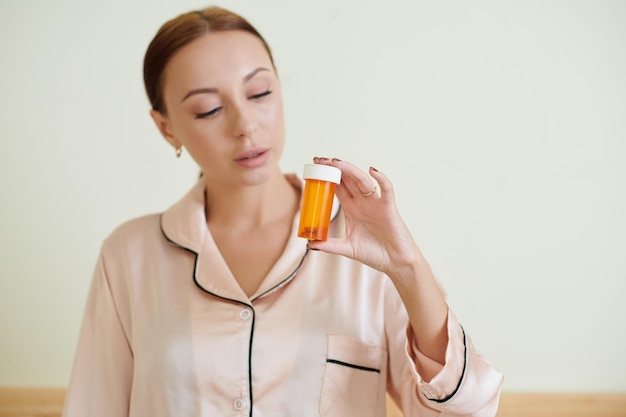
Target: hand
377,236
375,233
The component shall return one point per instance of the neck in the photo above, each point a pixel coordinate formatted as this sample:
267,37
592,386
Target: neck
250,207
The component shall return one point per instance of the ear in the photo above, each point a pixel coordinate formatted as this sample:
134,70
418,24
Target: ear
163,124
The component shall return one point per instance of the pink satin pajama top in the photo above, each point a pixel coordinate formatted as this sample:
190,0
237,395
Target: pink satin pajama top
168,331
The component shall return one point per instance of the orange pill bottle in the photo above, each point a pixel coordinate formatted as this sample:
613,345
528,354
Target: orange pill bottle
317,201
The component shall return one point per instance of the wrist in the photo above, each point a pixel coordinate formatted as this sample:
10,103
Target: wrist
407,271
407,266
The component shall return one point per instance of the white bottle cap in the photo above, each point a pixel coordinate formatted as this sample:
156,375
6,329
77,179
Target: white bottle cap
322,173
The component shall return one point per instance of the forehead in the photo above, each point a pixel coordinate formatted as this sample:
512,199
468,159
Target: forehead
214,59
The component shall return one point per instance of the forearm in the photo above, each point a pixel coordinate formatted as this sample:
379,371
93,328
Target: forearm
426,306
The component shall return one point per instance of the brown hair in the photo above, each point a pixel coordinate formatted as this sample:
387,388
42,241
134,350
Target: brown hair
177,33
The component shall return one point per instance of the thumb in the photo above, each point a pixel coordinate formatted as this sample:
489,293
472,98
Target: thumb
335,246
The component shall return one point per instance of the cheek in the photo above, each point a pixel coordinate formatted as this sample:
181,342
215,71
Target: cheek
273,114
200,141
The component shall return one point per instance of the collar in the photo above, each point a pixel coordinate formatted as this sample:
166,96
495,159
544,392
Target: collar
184,225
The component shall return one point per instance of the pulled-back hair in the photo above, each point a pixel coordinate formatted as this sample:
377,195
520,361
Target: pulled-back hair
177,33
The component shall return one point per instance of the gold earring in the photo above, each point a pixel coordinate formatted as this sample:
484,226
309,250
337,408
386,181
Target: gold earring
179,152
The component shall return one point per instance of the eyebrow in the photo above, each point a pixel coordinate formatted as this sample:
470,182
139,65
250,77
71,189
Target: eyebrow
211,90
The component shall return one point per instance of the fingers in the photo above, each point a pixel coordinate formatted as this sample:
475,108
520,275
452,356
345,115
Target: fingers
332,245
357,182
386,187
343,193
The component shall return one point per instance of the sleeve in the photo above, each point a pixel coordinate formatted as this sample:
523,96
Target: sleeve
102,374
466,386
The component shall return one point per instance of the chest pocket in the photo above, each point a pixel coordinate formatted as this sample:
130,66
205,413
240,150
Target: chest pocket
354,378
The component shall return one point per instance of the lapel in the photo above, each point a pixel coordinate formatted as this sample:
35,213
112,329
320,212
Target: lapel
184,225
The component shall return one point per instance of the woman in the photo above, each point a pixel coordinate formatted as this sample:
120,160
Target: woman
216,308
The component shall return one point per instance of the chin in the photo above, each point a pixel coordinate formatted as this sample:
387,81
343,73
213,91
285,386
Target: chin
257,176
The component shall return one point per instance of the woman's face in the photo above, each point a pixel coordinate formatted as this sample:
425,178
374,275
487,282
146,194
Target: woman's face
224,106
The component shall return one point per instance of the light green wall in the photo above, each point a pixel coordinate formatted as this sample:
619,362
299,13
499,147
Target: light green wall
502,125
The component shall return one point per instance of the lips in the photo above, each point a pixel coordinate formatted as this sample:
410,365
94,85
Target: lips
251,154
252,158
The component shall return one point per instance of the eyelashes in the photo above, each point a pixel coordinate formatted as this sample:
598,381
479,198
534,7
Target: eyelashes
261,95
217,109
207,114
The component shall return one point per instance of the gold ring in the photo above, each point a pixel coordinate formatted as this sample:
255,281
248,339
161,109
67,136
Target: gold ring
370,193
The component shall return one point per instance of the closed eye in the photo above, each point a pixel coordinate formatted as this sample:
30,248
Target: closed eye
261,95
207,114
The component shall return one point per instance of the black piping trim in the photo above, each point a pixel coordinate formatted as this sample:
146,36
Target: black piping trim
462,373
233,300
249,358
280,284
293,273
350,365
223,298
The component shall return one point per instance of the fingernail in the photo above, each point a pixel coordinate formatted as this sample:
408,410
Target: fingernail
314,249
336,160
374,169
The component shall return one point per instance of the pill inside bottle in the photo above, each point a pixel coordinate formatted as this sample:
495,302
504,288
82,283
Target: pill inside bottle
317,201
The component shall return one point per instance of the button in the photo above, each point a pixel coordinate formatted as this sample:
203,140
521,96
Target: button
238,404
245,314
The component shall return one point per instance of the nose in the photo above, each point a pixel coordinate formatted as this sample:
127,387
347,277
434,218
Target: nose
243,122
